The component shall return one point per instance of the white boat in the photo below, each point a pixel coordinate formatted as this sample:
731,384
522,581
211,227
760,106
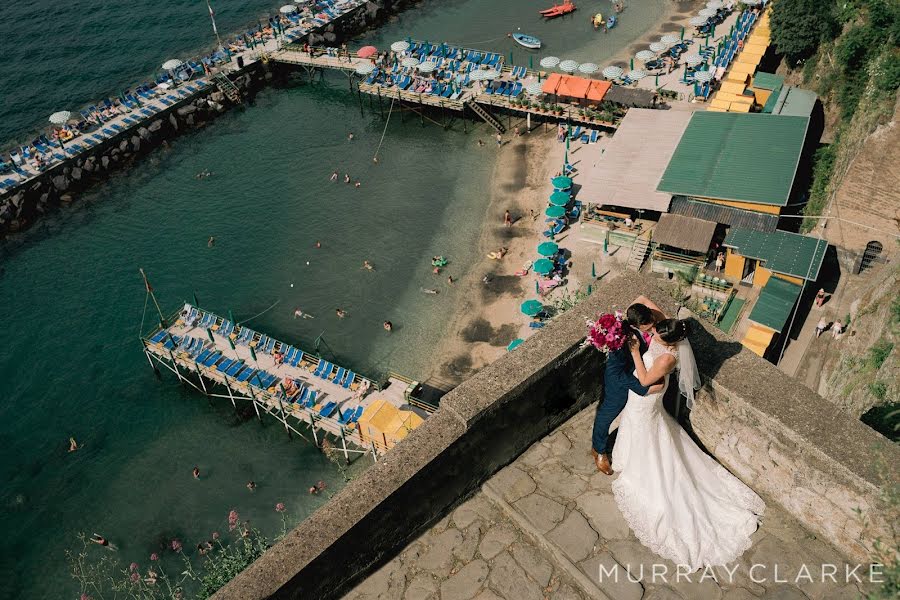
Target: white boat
529,41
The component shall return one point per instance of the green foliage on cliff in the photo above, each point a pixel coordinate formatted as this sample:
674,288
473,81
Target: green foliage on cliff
799,26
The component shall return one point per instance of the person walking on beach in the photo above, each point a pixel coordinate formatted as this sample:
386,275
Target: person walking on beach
507,219
821,326
820,297
837,330
450,279
516,131
499,140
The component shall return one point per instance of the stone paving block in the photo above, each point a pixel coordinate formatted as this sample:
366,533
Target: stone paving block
566,592
533,562
496,540
558,443
574,536
542,512
600,482
439,555
661,593
513,483
471,538
738,594
488,595
386,583
467,582
422,587
603,515
783,591
614,581
556,482
472,509
535,455
510,581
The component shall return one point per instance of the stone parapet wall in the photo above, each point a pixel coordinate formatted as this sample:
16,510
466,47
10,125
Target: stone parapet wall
789,444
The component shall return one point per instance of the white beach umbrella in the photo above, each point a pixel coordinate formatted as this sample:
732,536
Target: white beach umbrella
409,61
751,2
287,9
698,21
569,66
535,88
645,56
588,68
476,75
714,4
400,46
60,118
490,74
693,60
364,68
171,65
703,76
549,62
427,67
635,74
658,47
612,72
669,39
707,12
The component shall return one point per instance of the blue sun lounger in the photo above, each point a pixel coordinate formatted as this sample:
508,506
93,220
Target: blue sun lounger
270,346
328,409
348,380
594,136
340,375
171,341
212,359
235,368
297,358
311,399
329,369
245,375
225,364
344,417
158,336
301,397
319,368
356,415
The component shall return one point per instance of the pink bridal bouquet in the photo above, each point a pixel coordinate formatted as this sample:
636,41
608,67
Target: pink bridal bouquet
607,333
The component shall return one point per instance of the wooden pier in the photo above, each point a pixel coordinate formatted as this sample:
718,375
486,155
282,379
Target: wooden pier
307,394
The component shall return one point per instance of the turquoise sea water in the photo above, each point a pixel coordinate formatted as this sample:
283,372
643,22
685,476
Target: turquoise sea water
72,298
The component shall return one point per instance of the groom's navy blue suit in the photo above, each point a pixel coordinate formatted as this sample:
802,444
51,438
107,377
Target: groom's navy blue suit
618,380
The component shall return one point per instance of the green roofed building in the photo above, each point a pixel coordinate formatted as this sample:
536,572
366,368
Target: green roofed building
774,305
795,256
741,160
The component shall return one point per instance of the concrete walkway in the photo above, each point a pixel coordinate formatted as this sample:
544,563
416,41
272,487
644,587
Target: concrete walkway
546,526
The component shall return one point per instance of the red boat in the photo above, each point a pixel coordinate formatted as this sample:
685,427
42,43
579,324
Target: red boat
559,10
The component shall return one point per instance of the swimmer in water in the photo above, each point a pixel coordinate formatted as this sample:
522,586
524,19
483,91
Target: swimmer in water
357,184
350,137
211,242
346,178
334,176
340,312
368,266
73,445
251,485
102,541
318,244
196,472
428,291
299,314
388,326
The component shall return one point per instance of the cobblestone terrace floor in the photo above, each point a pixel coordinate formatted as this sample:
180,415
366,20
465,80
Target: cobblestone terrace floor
543,527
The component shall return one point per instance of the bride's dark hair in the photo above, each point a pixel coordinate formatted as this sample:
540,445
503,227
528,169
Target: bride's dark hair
672,331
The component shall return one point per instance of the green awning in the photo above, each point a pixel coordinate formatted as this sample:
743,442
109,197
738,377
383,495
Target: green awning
767,81
781,251
738,157
775,303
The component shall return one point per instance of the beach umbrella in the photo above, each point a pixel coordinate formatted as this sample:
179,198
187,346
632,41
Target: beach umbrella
171,65
561,182
400,46
60,118
682,34
612,72
559,198
693,59
367,51
548,248
698,21
658,47
364,68
533,307
427,67
534,88
714,4
409,61
543,266
707,12
514,344
490,74
645,56
588,68
569,66
549,62
669,39
635,74
703,76
593,270
287,9
555,212
751,2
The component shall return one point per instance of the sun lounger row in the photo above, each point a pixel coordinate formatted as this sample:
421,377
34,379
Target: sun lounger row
339,375
510,89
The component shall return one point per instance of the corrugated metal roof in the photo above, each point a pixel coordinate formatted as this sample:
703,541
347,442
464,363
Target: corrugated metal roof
633,97
775,302
626,173
767,81
722,155
795,102
773,98
682,232
733,217
782,251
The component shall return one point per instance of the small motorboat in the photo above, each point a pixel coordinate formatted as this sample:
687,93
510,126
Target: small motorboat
597,21
558,10
611,21
529,41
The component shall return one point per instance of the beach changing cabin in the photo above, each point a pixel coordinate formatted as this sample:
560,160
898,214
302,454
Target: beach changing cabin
383,424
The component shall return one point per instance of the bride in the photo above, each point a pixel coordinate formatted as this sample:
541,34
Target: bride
679,502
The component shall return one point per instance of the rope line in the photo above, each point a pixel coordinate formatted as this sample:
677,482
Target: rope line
383,133
245,321
144,314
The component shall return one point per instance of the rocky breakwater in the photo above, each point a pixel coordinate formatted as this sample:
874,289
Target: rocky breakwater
370,15
62,183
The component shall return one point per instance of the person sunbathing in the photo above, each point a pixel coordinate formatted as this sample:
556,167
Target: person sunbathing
498,254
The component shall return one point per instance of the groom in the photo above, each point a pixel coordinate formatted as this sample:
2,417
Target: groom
641,318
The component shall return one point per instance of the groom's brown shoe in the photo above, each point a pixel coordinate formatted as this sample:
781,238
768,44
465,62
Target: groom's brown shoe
603,465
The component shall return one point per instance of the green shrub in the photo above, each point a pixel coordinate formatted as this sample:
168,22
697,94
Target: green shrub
880,353
878,389
798,26
855,47
889,79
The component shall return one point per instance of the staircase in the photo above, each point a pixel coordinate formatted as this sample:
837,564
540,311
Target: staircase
228,88
639,251
485,115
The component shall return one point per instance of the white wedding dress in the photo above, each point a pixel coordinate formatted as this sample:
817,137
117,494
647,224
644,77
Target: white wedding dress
679,502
